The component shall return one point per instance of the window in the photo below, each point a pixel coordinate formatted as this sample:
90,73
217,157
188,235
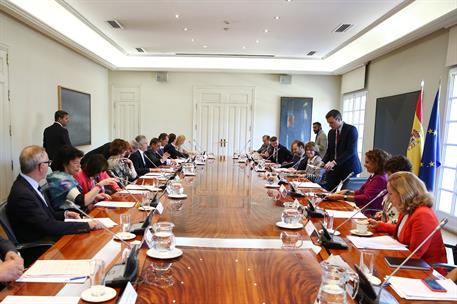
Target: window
354,114
446,192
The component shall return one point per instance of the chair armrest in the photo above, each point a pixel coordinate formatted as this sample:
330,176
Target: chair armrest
448,267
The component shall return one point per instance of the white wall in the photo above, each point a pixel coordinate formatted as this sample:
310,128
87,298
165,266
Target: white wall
37,65
402,71
167,107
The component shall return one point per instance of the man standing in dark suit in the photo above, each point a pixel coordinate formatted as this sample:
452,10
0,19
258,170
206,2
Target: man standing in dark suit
13,265
341,157
278,153
140,161
56,136
29,210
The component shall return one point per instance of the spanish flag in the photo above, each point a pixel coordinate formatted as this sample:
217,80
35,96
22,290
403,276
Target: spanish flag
416,140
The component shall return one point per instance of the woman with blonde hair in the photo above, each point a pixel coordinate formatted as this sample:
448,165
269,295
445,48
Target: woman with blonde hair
417,219
180,140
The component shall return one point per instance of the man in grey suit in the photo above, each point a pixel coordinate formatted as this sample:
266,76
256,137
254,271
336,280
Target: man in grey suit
321,138
13,265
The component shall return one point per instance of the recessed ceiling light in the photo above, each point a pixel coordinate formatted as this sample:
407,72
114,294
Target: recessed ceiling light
186,29
177,16
205,46
244,47
266,30
277,17
192,39
257,41
288,0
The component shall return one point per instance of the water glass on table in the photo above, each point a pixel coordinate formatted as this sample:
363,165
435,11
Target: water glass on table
328,221
97,275
125,222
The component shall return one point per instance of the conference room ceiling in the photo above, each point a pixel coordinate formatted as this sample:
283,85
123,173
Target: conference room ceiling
236,27
262,36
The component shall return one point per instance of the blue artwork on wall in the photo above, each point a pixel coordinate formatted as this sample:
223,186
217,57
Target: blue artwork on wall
295,121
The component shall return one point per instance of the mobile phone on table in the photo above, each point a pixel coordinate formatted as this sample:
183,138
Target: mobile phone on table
433,285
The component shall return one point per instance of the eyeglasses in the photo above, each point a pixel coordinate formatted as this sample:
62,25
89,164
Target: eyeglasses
49,162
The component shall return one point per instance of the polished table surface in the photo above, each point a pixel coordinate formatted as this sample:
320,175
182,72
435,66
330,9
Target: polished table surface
225,200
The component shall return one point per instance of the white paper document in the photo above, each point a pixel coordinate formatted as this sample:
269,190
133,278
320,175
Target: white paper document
106,221
143,188
39,300
57,271
113,204
384,242
415,289
346,214
307,185
239,243
129,295
143,191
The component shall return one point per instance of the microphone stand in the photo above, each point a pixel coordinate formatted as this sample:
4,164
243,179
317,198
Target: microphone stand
342,182
380,194
111,173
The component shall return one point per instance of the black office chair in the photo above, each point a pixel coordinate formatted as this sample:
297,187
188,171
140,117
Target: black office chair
448,267
354,183
30,252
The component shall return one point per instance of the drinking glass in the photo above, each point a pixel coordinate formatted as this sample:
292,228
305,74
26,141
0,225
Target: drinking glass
367,258
290,216
328,221
97,274
291,240
125,222
163,238
336,281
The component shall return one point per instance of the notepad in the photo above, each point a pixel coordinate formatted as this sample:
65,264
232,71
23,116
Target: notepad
106,221
40,300
113,204
415,289
384,242
143,188
307,185
143,191
57,271
346,214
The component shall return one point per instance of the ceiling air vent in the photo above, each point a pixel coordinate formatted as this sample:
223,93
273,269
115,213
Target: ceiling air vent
115,24
311,53
343,27
140,50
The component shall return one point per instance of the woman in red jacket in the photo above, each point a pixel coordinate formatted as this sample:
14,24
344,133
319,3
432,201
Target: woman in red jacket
417,219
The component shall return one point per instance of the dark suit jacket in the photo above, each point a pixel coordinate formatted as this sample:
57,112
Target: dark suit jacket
155,157
347,159
140,167
172,151
54,137
284,155
6,246
103,150
32,220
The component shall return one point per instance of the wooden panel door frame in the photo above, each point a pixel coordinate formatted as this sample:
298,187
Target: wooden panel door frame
7,131
219,88
113,110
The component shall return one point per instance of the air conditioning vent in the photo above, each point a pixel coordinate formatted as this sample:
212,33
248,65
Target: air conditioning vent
311,53
115,24
140,50
343,27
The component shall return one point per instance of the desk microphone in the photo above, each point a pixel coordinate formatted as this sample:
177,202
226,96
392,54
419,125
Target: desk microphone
342,182
245,146
380,194
101,224
145,156
112,174
366,292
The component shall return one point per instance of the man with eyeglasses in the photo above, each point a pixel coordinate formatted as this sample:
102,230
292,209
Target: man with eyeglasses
28,209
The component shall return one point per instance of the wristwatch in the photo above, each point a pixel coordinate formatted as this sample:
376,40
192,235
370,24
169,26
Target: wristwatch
345,197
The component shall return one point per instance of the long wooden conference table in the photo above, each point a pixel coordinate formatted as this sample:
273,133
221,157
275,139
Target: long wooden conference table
225,200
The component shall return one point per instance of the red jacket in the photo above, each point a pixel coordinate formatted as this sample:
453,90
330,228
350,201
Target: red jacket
417,227
87,183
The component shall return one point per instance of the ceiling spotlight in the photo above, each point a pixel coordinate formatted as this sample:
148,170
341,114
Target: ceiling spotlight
266,30
244,47
205,46
177,16
257,41
277,17
192,39
288,0
186,29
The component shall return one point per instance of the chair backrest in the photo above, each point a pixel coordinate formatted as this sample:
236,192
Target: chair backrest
354,183
5,223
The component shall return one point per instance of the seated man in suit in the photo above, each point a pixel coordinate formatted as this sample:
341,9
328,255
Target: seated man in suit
170,148
140,160
103,150
278,153
13,265
154,155
163,140
265,145
29,210
341,157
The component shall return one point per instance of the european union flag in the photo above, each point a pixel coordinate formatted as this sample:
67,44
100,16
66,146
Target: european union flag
431,155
